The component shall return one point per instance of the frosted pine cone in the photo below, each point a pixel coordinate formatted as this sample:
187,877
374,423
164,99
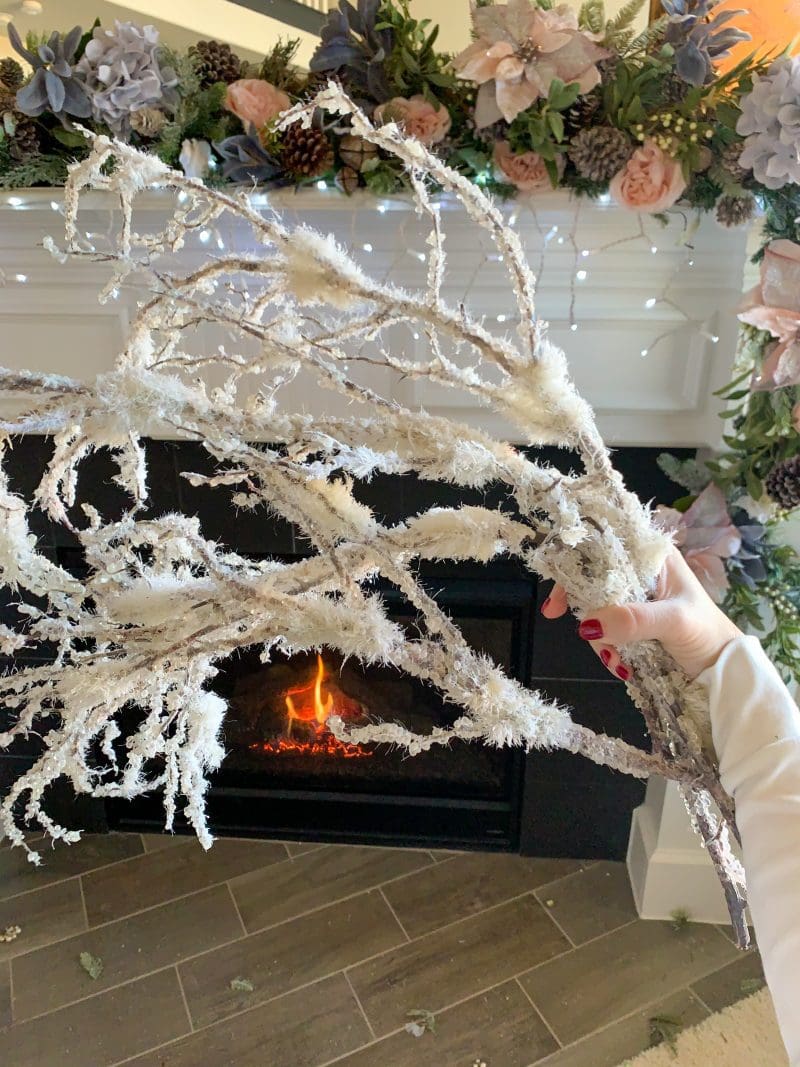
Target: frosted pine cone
216,62
306,153
731,155
582,113
11,73
600,152
122,72
735,210
783,483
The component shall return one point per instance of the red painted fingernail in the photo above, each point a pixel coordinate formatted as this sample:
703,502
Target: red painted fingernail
546,603
591,630
605,656
623,673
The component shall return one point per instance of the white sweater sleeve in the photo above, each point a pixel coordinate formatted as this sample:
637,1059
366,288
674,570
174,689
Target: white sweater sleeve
756,730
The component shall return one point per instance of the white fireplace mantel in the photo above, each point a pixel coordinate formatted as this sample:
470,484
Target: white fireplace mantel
50,318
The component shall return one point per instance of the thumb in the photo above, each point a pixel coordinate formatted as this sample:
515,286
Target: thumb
630,623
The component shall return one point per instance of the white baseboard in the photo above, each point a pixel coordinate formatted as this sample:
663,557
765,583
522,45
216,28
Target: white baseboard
665,880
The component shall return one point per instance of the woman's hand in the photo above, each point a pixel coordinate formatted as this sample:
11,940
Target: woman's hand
682,617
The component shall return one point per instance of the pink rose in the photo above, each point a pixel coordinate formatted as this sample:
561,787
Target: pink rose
418,117
526,170
255,101
651,181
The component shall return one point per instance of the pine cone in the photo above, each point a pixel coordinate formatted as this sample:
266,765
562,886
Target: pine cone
582,113
8,100
600,152
11,73
783,483
730,161
735,210
216,62
355,151
306,153
148,121
24,142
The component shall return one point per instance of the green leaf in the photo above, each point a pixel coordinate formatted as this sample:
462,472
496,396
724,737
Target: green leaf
69,138
552,169
562,96
754,486
556,125
683,503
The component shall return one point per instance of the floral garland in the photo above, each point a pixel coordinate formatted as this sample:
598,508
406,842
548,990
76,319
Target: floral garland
543,98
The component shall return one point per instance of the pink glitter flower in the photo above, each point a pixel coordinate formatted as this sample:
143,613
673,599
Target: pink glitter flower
774,306
706,536
520,49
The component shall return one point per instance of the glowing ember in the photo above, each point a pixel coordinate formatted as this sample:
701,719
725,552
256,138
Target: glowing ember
310,707
325,746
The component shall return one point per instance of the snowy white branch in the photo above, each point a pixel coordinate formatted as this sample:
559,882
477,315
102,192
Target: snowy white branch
160,604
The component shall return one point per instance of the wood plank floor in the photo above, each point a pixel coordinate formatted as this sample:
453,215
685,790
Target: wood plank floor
265,954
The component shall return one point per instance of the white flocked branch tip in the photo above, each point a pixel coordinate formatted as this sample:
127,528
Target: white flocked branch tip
161,605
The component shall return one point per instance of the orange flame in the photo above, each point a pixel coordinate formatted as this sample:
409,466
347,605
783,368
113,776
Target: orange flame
309,704
313,708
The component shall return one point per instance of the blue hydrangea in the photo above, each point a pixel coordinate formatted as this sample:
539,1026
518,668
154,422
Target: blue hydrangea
770,122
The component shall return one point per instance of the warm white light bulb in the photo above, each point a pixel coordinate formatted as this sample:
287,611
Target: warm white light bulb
582,275
21,278
651,303
322,184
644,352
16,201
501,318
205,236
574,327
367,247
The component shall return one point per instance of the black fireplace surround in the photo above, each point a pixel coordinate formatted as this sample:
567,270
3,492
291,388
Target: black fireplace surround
284,779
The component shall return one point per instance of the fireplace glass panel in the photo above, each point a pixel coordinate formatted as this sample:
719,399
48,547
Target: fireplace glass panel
276,734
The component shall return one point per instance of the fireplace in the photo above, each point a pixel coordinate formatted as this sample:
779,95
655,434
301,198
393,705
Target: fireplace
286,776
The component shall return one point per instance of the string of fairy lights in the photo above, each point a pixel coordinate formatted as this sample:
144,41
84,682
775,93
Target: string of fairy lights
551,236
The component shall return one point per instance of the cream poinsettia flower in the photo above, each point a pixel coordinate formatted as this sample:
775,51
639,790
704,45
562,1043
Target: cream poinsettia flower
519,51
